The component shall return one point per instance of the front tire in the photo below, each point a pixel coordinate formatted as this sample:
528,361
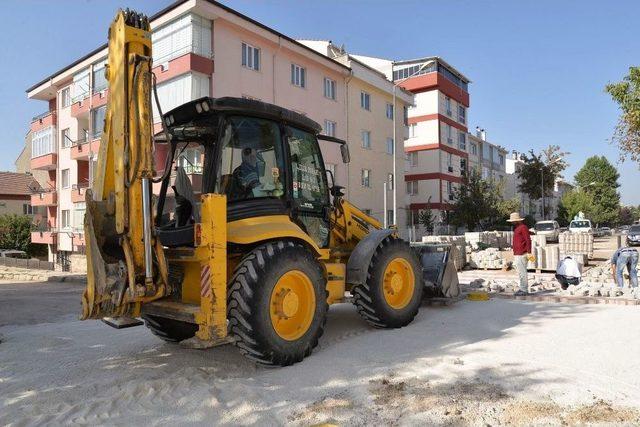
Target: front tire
392,292
277,303
169,330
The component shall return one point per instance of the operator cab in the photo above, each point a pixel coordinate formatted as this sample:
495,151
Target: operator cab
264,158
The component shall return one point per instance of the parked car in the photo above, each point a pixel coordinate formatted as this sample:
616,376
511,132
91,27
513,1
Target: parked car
580,226
633,237
13,253
549,229
606,231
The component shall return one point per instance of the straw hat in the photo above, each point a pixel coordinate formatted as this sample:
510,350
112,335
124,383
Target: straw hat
515,217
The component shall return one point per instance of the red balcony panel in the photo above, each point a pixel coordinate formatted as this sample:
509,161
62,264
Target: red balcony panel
99,99
44,237
81,151
183,64
43,121
80,108
431,81
77,194
44,199
46,162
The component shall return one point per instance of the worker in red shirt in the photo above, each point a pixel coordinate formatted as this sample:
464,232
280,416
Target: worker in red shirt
521,250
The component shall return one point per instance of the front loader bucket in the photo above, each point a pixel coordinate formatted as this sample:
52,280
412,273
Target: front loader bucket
106,271
438,269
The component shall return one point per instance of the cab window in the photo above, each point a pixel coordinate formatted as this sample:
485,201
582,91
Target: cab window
251,160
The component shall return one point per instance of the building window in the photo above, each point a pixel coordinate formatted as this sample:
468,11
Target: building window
250,57
413,159
412,188
450,189
191,160
65,97
329,88
298,75
450,162
390,216
474,149
65,138
97,121
179,90
64,178
365,101
390,146
365,175
390,182
462,114
412,130
463,166
366,139
447,105
389,111
78,216
27,209
66,223
462,140
330,128
405,115
188,33
42,142
501,159
80,86
100,81
449,132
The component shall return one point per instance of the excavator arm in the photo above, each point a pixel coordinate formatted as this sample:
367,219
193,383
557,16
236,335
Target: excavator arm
126,265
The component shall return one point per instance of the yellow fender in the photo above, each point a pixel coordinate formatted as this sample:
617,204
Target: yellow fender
259,229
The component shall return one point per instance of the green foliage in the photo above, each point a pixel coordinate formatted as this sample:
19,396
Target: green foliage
476,203
15,233
599,179
627,95
426,219
572,202
538,169
628,215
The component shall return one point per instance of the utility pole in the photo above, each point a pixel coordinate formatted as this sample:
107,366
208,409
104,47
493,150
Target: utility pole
384,204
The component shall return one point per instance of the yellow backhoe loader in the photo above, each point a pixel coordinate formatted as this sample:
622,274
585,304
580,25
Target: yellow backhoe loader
256,257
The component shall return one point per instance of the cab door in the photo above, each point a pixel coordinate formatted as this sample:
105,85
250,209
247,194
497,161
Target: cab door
309,189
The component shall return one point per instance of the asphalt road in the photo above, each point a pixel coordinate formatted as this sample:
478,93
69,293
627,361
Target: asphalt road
44,302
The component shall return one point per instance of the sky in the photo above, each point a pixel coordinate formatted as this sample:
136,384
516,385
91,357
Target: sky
538,68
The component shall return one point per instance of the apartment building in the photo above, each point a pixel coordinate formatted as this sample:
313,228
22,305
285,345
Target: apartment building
369,121
486,159
436,148
527,205
251,60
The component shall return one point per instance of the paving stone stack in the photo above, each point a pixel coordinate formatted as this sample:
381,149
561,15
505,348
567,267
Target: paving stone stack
460,259
490,259
576,243
547,257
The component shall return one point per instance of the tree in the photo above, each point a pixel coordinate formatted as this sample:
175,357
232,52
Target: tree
15,233
475,202
627,215
538,170
426,219
599,178
627,132
572,202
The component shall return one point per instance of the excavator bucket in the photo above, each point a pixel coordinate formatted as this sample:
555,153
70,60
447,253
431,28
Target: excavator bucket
107,276
438,269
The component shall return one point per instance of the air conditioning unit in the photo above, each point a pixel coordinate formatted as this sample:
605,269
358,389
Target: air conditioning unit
450,168
450,141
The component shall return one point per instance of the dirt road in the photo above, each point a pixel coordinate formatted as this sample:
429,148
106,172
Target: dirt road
497,362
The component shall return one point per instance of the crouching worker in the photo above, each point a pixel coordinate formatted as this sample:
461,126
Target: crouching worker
568,272
625,257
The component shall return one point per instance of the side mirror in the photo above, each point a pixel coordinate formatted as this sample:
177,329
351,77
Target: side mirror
344,151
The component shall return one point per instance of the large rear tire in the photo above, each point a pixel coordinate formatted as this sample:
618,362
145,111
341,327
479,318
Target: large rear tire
169,330
392,292
277,303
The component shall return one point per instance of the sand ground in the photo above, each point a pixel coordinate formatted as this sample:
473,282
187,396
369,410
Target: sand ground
474,363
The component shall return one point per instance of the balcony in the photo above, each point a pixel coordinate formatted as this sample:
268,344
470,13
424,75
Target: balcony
43,121
80,150
46,235
45,162
81,107
44,198
78,191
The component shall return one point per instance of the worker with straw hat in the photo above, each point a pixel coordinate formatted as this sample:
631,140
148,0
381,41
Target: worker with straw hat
521,250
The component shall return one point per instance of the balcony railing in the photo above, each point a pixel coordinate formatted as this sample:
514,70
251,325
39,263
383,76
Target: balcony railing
42,116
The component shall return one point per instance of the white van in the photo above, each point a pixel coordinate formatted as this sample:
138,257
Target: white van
549,229
580,226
